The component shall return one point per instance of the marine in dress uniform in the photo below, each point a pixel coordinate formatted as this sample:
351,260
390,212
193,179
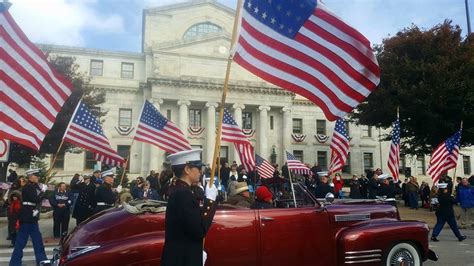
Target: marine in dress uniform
85,203
61,202
28,217
104,195
186,222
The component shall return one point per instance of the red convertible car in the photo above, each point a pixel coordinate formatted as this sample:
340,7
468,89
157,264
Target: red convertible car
316,232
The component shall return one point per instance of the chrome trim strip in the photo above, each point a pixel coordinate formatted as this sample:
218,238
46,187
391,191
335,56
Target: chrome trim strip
352,217
363,251
362,261
364,256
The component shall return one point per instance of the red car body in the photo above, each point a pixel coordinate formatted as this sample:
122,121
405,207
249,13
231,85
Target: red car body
359,233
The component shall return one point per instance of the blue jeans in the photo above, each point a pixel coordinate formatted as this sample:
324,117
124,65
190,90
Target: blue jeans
413,198
25,231
440,221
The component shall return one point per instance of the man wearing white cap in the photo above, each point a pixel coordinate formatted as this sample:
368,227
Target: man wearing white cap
186,222
445,213
104,195
29,214
324,187
386,189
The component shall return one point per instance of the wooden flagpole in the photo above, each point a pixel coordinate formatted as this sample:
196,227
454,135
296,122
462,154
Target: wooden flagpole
217,147
126,162
291,183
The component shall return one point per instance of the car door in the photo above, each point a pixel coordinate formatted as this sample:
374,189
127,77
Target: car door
295,236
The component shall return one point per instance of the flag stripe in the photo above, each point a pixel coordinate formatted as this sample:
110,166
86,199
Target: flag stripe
444,156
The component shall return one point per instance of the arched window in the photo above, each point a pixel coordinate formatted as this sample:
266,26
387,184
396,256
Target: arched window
201,29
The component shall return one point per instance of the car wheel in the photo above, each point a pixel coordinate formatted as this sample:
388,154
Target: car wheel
403,254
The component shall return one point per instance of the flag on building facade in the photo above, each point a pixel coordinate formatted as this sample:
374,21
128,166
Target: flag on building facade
231,132
339,147
394,155
444,157
155,129
84,130
302,47
264,168
32,92
297,166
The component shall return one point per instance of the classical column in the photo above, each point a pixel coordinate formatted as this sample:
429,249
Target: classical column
184,116
238,107
211,130
263,130
145,162
287,127
156,154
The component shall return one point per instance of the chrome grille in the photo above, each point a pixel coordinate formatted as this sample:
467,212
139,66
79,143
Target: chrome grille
363,256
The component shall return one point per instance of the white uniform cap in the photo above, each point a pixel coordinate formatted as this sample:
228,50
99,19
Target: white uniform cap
109,172
383,176
442,185
33,171
322,173
186,157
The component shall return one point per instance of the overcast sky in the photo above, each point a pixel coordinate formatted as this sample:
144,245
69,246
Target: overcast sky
116,24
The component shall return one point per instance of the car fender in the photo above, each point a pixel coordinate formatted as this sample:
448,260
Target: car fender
369,240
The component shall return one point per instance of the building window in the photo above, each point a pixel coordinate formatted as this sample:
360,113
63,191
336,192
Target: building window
124,152
299,155
420,165
59,163
402,164
246,120
323,160
90,161
195,117
347,165
297,125
367,131
127,70
201,29
347,128
321,127
224,155
271,122
125,117
97,68
168,114
466,161
368,161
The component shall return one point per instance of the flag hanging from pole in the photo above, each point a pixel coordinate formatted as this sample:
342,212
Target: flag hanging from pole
231,132
444,157
85,131
32,92
339,147
394,156
264,168
302,47
155,129
297,166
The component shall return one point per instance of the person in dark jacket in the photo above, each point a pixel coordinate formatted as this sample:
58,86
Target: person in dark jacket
373,186
148,193
323,188
13,176
31,195
405,192
445,213
14,206
364,186
61,203
386,188
105,197
263,199
354,185
152,179
137,188
186,223
85,203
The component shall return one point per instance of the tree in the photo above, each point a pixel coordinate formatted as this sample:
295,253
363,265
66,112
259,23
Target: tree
68,67
429,75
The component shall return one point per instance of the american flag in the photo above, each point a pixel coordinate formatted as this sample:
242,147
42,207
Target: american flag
32,91
155,129
231,132
296,166
444,157
85,131
394,156
339,147
302,47
264,168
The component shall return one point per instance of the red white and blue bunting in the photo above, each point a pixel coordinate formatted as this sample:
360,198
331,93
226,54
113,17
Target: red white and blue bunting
321,138
249,133
124,131
298,137
196,131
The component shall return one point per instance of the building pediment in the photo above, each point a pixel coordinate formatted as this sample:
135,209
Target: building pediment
189,5
213,46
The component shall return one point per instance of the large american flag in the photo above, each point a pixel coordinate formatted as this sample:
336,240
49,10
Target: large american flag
264,168
85,131
339,147
394,156
444,157
302,47
231,132
155,129
296,166
32,92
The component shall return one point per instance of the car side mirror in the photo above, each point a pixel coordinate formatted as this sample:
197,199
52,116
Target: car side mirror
329,198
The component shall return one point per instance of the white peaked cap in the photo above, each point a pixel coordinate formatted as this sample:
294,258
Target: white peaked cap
185,157
383,176
322,173
442,185
109,172
32,171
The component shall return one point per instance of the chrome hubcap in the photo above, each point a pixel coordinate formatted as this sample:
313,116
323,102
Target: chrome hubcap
402,257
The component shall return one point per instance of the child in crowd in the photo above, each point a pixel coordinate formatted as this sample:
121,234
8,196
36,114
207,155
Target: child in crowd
14,205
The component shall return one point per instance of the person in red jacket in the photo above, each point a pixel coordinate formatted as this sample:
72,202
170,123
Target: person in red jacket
338,184
14,205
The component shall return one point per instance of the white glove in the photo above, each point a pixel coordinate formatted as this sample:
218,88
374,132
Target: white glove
204,257
43,187
35,212
81,178
119,188
211,192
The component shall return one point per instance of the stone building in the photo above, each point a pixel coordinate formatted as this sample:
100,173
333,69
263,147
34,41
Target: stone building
181,71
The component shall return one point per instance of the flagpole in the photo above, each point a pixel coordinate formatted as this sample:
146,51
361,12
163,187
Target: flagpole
126,162
291,182
456,167
217,147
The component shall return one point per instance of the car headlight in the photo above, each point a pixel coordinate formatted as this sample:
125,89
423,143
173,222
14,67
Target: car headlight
77,251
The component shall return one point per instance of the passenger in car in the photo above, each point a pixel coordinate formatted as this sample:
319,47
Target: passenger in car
264,199
241,197
323,188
